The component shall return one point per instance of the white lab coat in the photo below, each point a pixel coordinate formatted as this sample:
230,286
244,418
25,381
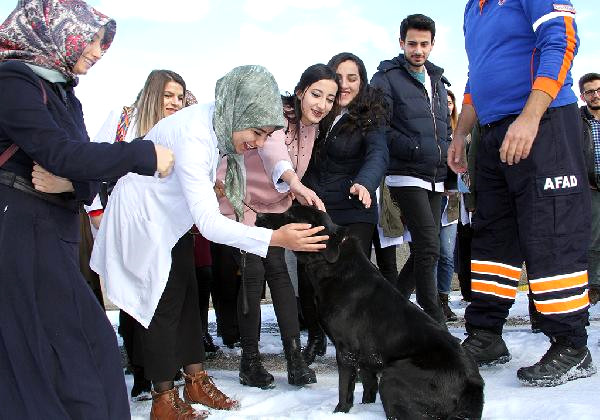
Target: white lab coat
146,216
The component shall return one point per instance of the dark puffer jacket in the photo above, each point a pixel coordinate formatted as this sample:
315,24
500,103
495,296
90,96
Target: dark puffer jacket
419,135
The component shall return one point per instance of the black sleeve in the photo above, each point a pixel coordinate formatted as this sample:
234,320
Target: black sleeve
25,119
399,144
376,159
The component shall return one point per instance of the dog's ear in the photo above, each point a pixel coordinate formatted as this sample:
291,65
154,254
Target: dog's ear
332,252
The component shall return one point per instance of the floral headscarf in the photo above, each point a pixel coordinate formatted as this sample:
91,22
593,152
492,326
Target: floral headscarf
52,33
246,97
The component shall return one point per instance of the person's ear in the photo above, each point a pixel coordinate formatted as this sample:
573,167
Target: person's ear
299,94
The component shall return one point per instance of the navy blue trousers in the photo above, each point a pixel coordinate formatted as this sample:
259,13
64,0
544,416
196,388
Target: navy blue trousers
537,211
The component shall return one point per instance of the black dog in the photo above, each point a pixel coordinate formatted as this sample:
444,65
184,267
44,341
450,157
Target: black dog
424,370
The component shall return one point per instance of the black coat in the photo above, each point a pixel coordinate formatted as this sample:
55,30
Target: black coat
343,158
55,335
418,137
589,148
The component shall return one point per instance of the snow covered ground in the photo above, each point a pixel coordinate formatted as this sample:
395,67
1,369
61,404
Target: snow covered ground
505,397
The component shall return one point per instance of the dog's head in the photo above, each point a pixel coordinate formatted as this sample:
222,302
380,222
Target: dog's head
305,214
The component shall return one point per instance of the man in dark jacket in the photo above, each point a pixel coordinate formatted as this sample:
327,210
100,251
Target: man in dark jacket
589,86
418,140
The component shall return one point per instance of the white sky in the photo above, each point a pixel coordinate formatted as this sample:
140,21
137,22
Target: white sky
203,39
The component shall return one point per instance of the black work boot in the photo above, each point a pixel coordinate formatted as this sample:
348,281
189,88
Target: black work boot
315,346
560,364
486,348
450,316
252,371
298,371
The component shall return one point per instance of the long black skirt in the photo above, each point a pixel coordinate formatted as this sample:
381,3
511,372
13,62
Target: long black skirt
58,352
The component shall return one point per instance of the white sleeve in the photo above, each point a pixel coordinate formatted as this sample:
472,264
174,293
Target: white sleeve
280,168
194,168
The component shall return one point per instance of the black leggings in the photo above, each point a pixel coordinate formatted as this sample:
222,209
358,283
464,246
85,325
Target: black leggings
274,270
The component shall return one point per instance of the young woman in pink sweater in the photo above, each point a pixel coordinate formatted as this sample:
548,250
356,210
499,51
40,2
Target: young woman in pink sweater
272,182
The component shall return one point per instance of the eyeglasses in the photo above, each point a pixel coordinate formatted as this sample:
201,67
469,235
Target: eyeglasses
591,92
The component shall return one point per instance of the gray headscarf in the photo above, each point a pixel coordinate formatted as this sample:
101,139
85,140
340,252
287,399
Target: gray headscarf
246,97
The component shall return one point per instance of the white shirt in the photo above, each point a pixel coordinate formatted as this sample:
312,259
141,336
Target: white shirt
146,216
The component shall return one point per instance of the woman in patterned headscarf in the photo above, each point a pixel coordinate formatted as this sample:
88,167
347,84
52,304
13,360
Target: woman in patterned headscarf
58,352
146,219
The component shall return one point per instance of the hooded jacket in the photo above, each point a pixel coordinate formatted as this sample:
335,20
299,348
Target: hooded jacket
419,132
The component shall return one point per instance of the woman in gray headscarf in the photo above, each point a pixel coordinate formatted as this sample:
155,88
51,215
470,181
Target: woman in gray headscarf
146,220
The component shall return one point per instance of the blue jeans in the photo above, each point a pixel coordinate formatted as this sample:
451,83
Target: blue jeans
445,265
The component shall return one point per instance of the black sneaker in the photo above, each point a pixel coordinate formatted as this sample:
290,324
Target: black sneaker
560,364
486,348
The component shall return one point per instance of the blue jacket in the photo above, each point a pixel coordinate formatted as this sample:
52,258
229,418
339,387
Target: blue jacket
515,46
419,131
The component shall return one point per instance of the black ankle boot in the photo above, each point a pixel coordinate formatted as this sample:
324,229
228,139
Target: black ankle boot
141,390
450,315
252,371
210,348
298,371
316,345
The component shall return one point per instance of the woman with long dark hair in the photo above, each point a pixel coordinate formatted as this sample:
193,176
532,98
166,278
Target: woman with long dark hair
272,174
347,165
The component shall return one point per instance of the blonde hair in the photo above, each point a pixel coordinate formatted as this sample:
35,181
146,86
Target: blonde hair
454,114
149,105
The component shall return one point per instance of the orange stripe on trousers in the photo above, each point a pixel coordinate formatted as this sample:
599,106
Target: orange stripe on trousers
563,307
482,287
495,270
561,283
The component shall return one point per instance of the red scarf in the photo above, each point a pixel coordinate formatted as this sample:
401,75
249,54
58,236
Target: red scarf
52,33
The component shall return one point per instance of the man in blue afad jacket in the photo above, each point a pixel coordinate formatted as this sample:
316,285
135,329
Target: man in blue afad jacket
533,203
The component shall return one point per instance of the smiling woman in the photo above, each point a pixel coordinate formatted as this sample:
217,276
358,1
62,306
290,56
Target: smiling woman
274,174
145,222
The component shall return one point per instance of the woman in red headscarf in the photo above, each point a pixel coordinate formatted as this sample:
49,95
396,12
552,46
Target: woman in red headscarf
58,352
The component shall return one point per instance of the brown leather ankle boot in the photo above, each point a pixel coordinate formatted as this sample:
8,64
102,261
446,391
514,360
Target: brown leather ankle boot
200,389
167,405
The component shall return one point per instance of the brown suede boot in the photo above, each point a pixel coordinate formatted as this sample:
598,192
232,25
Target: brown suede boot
167,405
200,389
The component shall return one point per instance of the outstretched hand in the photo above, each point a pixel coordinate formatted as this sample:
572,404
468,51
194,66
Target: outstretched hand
362,193
305,195
299,237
